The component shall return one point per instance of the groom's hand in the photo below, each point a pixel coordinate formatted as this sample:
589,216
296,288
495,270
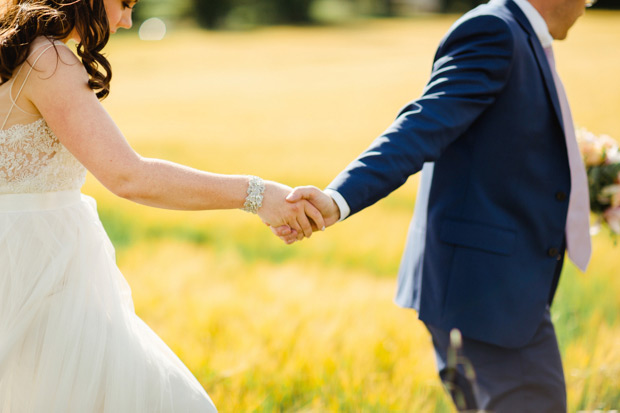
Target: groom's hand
320,200
300,218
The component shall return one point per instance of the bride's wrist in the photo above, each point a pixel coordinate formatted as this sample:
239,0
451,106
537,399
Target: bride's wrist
255,192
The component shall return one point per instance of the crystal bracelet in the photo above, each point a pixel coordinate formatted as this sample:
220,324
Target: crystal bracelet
254,200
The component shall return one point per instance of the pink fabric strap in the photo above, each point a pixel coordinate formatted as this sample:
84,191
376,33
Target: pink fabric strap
578,242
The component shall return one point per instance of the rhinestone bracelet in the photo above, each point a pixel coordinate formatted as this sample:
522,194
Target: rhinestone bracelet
254,200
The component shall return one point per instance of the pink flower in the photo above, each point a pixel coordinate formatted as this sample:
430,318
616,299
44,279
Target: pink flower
612,217
612,154
592,152
608,142
591,147
612,192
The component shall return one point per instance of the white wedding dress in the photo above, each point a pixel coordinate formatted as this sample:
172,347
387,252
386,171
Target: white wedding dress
70,341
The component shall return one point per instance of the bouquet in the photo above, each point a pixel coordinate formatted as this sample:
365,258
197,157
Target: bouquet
602,159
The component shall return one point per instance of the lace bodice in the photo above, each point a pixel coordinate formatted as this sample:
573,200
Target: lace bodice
32,160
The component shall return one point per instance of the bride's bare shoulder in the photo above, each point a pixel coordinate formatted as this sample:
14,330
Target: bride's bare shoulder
52,58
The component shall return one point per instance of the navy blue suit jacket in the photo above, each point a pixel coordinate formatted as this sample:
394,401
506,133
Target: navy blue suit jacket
489,220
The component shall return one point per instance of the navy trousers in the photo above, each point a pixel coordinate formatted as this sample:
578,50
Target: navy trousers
522,380
527,379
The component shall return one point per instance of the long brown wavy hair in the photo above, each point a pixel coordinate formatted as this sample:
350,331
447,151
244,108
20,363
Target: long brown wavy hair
22,21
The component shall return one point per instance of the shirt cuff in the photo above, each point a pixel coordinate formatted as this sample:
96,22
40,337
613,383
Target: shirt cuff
345,210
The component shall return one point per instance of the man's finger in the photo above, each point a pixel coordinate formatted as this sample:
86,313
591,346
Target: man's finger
314,214
304,222
301,192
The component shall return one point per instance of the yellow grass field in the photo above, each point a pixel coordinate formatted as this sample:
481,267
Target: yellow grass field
312,327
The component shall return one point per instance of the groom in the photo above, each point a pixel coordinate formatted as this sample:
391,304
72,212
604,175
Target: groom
502,195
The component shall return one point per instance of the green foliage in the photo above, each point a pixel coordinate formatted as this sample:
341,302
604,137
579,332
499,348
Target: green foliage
599,177
210,13
162,8
459,6
607,4
225,13
248,13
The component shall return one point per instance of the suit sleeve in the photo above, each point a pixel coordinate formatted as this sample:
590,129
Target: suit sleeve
471,67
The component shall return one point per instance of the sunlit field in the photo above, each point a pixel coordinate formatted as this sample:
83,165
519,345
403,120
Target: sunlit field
312,327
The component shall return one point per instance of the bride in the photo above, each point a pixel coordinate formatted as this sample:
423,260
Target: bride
70,340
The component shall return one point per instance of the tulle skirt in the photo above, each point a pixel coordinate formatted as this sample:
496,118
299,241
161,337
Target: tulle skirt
70,340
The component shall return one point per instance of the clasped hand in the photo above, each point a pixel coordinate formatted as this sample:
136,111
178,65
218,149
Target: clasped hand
293,214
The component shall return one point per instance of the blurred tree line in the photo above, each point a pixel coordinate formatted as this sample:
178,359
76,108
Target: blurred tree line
250,13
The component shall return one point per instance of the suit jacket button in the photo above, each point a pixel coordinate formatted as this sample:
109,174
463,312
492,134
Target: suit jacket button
553,252
560,196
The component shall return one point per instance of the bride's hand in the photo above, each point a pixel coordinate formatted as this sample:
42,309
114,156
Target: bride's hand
300,217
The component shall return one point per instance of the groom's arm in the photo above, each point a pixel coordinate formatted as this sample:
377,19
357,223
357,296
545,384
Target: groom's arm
471,67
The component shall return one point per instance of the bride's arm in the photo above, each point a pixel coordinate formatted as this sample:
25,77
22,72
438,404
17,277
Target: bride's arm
58,87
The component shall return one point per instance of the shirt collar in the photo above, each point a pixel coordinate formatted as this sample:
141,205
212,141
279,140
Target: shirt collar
536,20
